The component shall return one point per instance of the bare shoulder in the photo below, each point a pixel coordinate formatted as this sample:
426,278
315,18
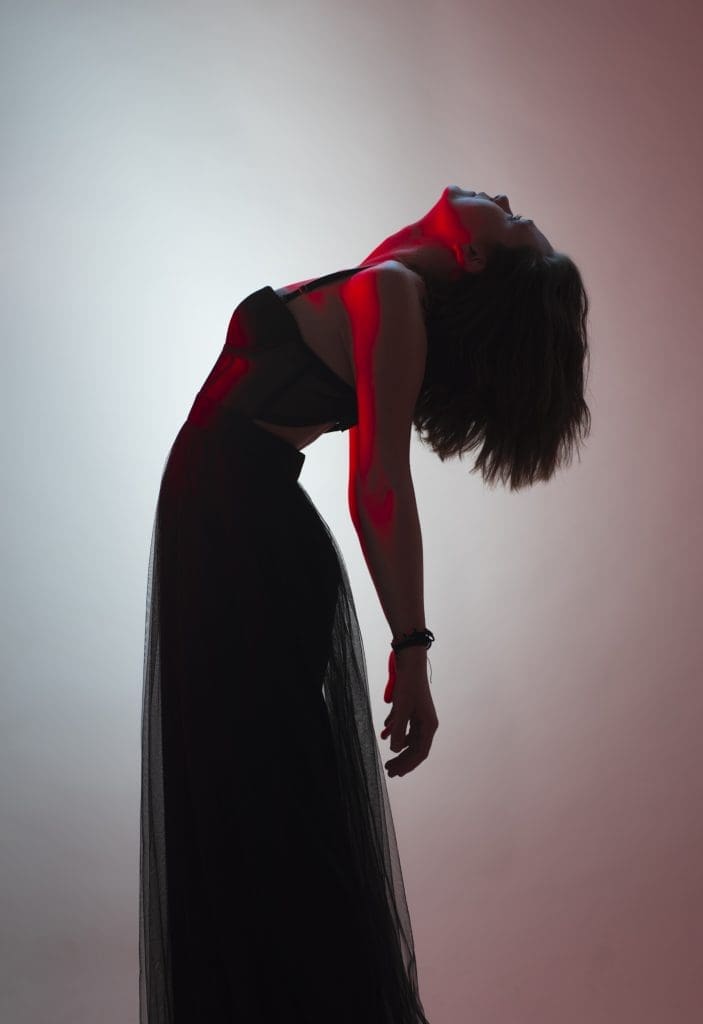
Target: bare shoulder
384,303
389,348
391,278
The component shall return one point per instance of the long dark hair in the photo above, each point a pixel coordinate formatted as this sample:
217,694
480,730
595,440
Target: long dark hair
507,359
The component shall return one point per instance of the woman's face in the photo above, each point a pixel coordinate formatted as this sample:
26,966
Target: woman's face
458,234
485,220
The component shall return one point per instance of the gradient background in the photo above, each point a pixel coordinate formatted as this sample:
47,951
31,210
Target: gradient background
160,161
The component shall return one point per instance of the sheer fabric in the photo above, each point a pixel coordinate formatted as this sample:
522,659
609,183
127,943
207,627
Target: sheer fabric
270,882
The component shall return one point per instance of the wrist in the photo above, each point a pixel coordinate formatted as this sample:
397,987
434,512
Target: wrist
422,638
417,652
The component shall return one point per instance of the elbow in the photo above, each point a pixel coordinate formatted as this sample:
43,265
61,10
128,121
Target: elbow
376,505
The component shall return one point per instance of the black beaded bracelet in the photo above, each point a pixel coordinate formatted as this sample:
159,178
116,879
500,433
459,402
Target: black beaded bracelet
418,637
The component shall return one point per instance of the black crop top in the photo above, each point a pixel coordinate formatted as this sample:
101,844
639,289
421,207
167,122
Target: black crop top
267,371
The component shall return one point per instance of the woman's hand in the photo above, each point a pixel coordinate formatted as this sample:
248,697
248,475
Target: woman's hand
409,690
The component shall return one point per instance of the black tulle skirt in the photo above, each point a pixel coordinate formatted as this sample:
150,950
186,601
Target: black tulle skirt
270,885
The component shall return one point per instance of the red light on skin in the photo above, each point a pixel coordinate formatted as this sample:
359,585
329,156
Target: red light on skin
390,686
380,509
388,339
373,493
379,496
365,320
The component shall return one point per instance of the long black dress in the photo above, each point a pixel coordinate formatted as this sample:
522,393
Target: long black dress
270,884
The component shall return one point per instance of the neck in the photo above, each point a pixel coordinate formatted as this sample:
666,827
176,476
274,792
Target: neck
420,249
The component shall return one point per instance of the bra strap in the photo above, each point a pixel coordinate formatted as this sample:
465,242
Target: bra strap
320,280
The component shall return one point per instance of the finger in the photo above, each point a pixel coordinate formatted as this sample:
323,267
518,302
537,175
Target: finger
390,685
416,752
387,724
401,734
404,763
399,739
407,761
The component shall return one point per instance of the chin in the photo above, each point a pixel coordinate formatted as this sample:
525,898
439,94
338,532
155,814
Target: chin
458,188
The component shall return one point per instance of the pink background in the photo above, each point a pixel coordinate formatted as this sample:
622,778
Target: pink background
161,161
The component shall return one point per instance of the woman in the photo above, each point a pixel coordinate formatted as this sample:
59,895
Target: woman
271,888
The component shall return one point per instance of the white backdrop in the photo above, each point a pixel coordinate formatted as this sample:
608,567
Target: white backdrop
160,161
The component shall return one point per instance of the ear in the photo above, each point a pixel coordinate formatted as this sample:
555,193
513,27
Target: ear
475,260
469,258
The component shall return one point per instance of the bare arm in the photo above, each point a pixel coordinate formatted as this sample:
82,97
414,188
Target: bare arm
390,348
388,528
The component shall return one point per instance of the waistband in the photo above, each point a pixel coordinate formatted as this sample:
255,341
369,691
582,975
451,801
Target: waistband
263,451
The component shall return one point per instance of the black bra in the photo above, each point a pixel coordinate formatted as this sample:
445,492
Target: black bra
337,274
267,371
